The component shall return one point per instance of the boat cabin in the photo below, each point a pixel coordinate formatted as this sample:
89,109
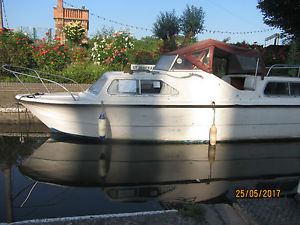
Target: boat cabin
218,58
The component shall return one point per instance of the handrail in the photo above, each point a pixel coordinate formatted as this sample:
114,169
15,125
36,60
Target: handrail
40,78
283,66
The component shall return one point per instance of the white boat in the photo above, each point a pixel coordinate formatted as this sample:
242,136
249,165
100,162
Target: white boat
181,99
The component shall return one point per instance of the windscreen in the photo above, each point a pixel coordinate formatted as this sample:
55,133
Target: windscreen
165,62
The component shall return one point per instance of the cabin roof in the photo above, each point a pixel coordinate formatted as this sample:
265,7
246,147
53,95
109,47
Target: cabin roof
211,48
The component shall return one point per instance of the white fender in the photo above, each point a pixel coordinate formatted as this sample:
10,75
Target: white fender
102,126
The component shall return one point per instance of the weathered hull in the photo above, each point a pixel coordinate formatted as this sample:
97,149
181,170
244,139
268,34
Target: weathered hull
172,122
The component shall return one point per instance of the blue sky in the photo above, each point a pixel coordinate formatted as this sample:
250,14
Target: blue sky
221,15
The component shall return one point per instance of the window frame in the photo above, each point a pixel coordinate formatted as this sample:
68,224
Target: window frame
282,96
139,92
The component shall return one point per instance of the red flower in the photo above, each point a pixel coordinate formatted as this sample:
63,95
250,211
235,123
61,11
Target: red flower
58,53
21,54
18,42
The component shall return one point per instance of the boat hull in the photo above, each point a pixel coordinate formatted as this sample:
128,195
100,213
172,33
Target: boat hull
172,122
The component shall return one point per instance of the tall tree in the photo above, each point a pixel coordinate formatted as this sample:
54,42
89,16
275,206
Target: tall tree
282,14
166,25
191,22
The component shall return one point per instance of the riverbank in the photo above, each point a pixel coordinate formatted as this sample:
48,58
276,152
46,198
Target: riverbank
280,211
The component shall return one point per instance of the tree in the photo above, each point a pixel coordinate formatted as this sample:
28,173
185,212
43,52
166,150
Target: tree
75,32
282,14
191,22
167,27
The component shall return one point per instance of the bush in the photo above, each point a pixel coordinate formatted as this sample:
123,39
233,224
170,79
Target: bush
112,50
51,57
142,57
15,48
87,72
75,32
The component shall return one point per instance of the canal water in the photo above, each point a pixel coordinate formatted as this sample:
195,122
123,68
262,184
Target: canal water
59,176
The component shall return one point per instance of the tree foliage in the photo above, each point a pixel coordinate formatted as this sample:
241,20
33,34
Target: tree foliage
282,14
191,22
166,25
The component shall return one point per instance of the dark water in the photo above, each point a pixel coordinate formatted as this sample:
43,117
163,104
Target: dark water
58,176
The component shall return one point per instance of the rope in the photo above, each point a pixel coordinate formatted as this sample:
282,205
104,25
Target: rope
29,194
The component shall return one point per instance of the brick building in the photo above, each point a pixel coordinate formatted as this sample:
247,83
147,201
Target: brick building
63,16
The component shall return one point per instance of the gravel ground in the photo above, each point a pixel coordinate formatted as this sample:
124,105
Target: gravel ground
281,211
269,211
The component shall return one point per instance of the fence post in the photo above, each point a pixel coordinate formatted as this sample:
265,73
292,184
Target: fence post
34,33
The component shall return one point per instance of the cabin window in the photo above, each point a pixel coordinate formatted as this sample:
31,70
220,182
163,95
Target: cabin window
97,86
277,88
129,87
165,62
140,87
295,89
202,56
182,64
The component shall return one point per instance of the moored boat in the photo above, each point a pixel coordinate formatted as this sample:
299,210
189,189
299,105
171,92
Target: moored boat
181,99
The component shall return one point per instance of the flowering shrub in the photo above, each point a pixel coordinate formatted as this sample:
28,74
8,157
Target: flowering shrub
15,48
112,50
143,57
79,55
75,32
50,57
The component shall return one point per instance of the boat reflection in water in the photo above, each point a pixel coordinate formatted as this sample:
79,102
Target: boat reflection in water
172,173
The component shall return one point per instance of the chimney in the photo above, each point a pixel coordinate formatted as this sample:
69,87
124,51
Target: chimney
60,4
